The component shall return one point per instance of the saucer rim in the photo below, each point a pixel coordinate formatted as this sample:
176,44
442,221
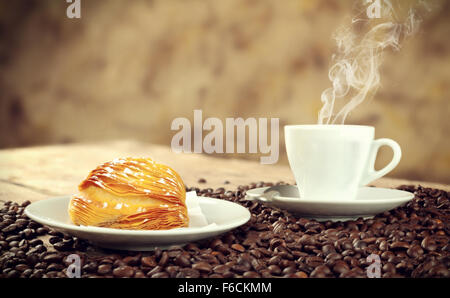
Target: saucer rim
407,196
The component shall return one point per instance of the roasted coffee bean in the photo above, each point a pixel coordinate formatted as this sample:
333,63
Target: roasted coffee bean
274,243
353,262
223,249
27,273
37,273
14,249
118,263
38,249
202,267
155,270
148,261
54,239
164,259
429,244
327,249
14,244
13,274
9,229
314,261
359,245
321,271
32,259
107,260
21,223
21,254
215,243
172,270
332,258
35,225
190,272
123,271
399,245
221,269
173,253
404,266
28,233
348,252
41,265
35,242
387,255
275,260
288,270
42,230
257,264
13,238
370,240
285,263
132,260
56,233
307,240
251,274
3,245
299,274
160,275
240,269
104,269
90,267
238,247
62,246
22,267
274,269
23,244
182,261
52,258
383,245
440,271
389,268
415,251
340,267
221,257
55,267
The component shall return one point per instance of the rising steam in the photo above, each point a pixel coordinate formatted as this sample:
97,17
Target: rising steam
355,73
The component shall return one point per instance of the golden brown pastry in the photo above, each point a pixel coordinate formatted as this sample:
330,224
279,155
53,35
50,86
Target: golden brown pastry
131,193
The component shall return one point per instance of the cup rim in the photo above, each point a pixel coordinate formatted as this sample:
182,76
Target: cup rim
327,126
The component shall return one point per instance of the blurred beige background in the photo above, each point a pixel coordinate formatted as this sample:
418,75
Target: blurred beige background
126,69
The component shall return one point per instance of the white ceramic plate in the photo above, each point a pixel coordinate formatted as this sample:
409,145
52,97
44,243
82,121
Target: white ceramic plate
226,216
369,202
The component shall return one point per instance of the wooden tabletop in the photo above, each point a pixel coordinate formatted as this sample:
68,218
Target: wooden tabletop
36,173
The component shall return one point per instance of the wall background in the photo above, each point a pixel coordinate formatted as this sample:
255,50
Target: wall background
127,69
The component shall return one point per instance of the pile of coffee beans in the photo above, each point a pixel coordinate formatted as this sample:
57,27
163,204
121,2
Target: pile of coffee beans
409,241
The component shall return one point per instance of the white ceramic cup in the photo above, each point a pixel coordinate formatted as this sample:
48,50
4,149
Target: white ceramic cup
333,161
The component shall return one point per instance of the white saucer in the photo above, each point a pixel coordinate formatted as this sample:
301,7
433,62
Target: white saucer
225,216
369,202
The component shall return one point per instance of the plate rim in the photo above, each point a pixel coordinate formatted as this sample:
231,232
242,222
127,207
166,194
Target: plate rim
124,232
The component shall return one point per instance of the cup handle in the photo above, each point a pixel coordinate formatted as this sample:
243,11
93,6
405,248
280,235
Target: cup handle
371,173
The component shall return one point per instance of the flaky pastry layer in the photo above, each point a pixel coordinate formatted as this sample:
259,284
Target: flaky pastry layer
131,193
